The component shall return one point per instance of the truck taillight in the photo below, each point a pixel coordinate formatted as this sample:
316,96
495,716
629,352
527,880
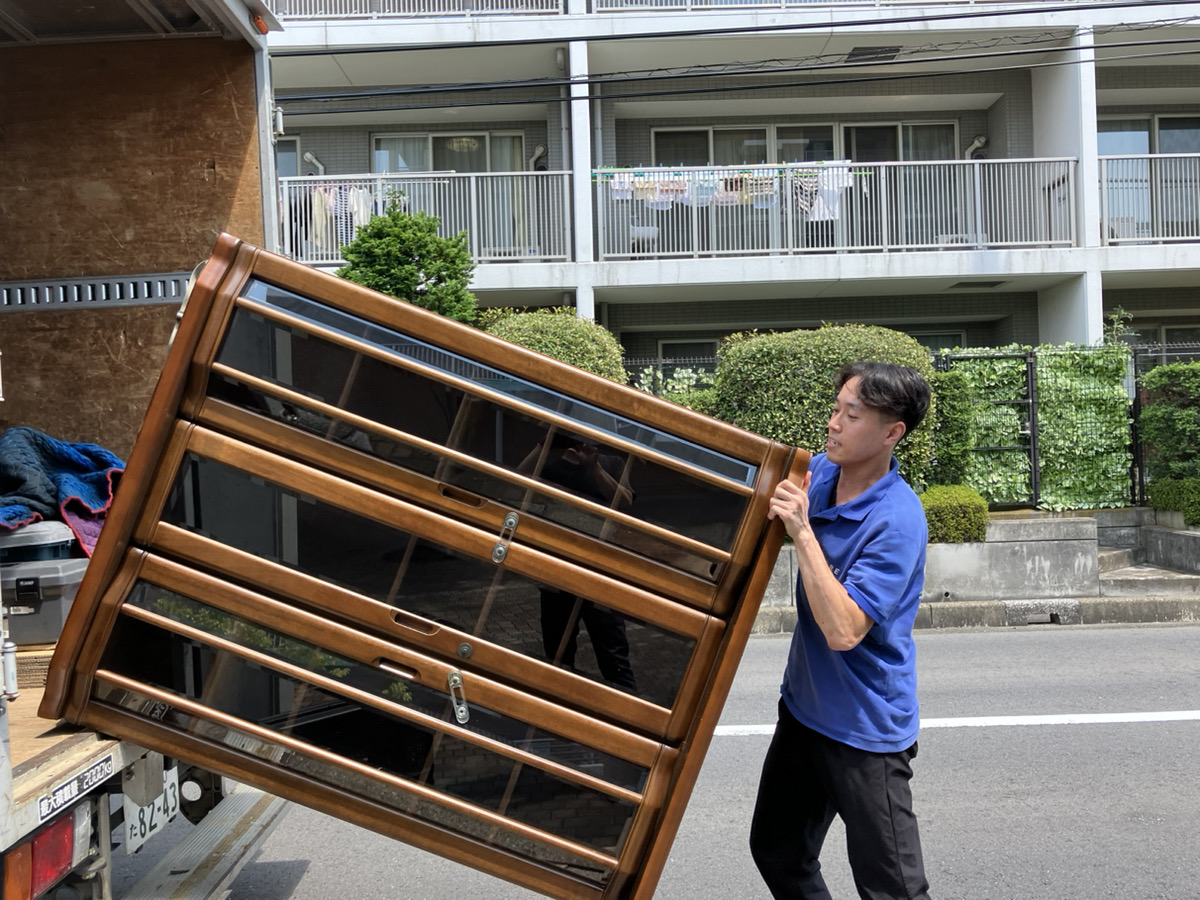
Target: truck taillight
35,866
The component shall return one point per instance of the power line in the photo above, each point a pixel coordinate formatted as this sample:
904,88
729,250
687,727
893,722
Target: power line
976,13
724,88
815,64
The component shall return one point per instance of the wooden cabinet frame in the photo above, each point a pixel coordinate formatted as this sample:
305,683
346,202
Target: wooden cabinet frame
237,611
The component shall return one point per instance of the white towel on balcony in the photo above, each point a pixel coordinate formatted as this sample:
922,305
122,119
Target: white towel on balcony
830,184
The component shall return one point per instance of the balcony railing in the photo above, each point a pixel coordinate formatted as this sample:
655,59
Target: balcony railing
378,9
823,207
1149,199
375,9
508,217
701,5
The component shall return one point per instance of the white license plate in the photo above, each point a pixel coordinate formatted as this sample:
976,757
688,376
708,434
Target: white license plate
143,822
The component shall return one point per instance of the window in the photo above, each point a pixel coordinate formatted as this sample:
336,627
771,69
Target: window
741,146
687,349
362,569
1179,134
939,340
1162,134
807,143
1123,136
287,157
477,152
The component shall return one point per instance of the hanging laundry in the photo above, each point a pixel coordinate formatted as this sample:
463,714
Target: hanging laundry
832,180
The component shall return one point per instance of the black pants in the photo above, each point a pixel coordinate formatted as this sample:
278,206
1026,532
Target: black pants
807,779
605,628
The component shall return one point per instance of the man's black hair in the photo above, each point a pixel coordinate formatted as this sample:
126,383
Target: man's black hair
898,392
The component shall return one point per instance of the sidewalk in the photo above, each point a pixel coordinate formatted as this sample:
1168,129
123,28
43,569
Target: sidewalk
1009,613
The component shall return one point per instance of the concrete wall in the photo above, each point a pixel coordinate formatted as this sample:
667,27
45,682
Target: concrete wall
1042,558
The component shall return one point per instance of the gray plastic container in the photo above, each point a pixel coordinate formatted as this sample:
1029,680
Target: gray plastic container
37,593
40,540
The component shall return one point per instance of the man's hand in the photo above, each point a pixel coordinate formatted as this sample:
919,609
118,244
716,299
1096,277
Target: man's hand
789,504
840,619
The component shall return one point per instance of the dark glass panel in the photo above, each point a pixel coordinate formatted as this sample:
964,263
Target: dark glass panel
373,680
697,510
437,359
412,403
229,684
428,579
332,774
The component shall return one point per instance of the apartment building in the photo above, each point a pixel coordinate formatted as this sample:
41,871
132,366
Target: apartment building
973,173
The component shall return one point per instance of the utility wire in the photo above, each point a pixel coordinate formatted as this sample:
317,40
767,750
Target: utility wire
815,64
824,25
724,88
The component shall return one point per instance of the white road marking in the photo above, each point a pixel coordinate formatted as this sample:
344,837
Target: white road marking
1186,715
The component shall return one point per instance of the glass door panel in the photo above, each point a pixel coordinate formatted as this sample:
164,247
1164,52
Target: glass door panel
430,580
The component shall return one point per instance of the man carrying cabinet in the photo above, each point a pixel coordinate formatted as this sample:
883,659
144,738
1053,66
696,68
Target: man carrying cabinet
848,718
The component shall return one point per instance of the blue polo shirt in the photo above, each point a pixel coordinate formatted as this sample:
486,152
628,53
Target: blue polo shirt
875,544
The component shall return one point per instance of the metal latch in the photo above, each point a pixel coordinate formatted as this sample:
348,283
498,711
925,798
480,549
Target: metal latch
458,698
506,534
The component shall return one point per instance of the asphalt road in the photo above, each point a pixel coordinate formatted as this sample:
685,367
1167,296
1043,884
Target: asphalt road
1035,781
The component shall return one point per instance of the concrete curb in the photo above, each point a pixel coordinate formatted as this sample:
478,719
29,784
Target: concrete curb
1011,613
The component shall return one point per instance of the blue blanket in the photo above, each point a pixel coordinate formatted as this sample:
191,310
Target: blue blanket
44,478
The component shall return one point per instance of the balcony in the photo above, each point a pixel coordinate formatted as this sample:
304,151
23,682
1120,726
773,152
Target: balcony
835,207
508,217
1150,199
295,10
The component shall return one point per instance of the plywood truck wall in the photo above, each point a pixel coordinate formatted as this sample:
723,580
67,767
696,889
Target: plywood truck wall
119,159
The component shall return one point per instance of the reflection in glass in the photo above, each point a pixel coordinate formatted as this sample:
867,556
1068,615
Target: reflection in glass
664,497
315,767
415,404
229,684
436,359
374,680
422,577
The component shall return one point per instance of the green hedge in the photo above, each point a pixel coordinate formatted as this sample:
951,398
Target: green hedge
995,385
1169,423
1084,450
952,432
780,385
567,338
1084,442
1179,494
956,514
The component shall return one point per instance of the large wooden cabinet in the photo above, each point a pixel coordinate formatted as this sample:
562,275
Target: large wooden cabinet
387,566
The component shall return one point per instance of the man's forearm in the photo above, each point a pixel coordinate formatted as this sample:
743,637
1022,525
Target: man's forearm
841,620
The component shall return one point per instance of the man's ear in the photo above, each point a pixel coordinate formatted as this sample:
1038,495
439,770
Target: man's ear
895,431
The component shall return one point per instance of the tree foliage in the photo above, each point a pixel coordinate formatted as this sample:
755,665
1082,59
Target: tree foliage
401,254
1169,421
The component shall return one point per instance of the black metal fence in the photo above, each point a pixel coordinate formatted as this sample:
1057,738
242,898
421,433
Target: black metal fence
1054,428
1145,358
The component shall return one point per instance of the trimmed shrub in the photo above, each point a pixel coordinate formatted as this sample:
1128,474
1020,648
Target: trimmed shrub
952,434
401,254
956,514
1178,494
1169,422
702,400
567,338
780,385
